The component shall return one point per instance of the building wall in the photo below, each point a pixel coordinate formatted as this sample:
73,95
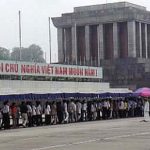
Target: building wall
17,87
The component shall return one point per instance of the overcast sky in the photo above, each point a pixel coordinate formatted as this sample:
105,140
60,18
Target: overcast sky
34,14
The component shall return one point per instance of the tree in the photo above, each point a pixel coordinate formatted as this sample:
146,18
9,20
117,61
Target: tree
15,54
4,54
36,53
33,53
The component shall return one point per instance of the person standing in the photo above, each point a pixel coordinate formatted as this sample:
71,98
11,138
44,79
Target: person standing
18,115
65,112
121,109
146,110
72,111
29,113
33,114
92,111
84,111
79,108
105,109
14,114
1,117
38,113
60,111
47,112
24,110
54,113
111,109
6,117
99,110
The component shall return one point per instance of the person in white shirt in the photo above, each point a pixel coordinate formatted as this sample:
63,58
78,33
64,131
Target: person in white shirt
6,117
1,116
75,111
78,109
146,110
84,111
65,112
29,113
47,112
99,110
71,110
92,111
95,111
38,113
33,114
121,109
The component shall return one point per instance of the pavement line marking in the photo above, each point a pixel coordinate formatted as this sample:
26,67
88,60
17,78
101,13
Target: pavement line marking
30,138
90,141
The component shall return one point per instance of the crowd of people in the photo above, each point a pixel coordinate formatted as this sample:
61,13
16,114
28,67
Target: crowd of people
38,113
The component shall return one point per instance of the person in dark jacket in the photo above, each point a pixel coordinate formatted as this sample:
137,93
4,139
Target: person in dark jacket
24,110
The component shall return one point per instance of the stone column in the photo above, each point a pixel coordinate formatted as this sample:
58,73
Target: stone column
100,43
115,40
140,40
87,43
74,45
65,45
131,39
60,45
148,40
146,53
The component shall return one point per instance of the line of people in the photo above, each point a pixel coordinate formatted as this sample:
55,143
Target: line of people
31,113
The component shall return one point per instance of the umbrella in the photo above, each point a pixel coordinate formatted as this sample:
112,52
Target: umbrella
145,92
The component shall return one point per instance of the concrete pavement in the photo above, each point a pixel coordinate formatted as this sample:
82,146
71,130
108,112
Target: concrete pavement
120,134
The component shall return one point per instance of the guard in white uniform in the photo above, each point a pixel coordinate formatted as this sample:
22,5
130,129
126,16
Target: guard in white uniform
146,110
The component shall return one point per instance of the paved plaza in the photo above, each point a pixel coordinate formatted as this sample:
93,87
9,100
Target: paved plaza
120,134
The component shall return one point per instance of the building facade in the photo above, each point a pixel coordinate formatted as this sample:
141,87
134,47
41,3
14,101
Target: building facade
115,36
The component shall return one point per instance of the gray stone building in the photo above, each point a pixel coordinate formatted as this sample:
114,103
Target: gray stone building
115,36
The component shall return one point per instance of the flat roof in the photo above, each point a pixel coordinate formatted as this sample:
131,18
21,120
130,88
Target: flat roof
108,6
